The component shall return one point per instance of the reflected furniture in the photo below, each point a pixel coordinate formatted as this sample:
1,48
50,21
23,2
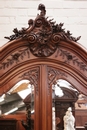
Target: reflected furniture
8,124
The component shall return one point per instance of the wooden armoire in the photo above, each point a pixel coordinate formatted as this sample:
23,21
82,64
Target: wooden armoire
43,53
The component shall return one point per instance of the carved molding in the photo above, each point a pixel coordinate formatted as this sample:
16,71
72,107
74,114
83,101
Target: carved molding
33,77
71,58
15,58
43,35
53,76
66,56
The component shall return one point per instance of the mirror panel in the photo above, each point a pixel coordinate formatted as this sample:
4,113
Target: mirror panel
65,96
19,99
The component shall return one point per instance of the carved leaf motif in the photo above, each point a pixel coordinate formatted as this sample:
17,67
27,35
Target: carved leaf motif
53,75
71,58
32,76
15,58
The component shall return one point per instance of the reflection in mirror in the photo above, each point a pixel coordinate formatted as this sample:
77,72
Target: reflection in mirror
64,96
20,98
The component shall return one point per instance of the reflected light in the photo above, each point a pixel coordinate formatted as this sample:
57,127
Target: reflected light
14,109
64,83
58,91
2,98
23,94
17,85
32,111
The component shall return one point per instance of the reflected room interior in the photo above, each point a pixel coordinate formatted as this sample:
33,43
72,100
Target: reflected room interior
64,96
19,100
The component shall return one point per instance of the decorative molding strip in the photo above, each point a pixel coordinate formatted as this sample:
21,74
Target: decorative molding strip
15,58
71,58
53,76
33,77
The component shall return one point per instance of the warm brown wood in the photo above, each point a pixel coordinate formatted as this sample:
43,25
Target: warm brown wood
43,53
80,128
12,120
81,117
8,124
85,125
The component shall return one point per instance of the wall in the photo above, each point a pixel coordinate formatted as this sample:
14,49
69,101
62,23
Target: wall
16,13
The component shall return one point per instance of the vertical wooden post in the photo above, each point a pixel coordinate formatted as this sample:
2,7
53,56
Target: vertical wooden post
45,116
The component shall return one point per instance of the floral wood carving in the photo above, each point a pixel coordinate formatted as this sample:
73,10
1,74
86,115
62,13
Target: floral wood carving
53,75
43,35
15,58
32,76
71,58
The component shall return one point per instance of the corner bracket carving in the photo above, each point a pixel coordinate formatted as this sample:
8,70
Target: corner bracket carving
32,76
53,76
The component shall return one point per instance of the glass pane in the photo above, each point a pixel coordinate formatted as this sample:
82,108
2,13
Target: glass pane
30,111
67,99
19,100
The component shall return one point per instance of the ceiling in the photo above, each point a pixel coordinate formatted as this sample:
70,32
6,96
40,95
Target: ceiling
10,102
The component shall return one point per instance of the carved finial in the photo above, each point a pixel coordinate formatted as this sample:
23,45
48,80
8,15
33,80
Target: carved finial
30,22
42,8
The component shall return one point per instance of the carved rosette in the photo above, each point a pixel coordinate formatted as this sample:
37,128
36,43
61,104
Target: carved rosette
32,76
53,76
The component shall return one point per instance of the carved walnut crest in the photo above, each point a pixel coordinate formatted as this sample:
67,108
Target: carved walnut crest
43,35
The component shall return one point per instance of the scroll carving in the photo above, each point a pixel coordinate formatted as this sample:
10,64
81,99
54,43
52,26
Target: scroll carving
32,76
53,75
43,35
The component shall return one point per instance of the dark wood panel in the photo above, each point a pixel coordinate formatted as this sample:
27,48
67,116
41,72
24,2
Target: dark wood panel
12,122
7,124
81,117
80,128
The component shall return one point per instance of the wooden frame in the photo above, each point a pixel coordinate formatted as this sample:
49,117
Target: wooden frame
43,53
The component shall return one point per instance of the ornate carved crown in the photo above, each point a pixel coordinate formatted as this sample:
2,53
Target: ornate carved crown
42,35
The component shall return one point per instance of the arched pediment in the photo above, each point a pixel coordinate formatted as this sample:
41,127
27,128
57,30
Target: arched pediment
43,42
69,95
